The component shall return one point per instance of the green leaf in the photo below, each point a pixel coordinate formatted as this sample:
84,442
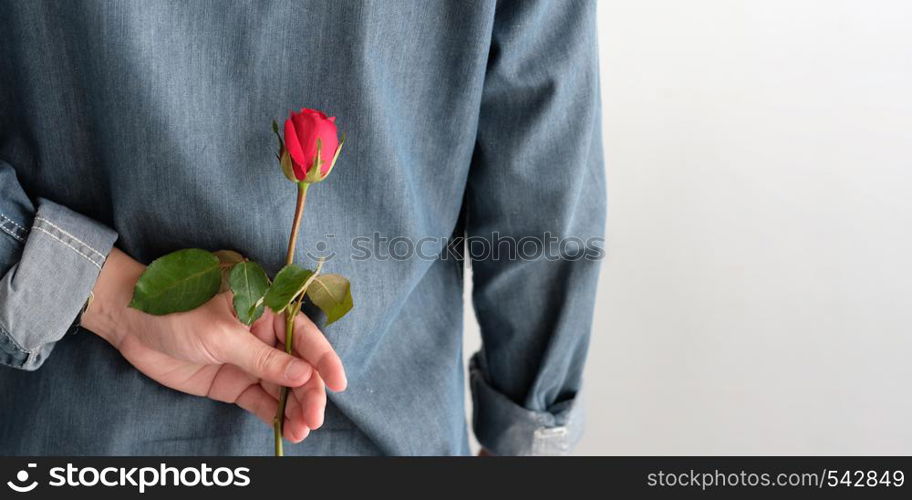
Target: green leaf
180,281
285,286
332,294
227,260
249,283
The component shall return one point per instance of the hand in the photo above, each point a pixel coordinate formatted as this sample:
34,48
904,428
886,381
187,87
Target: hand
208,352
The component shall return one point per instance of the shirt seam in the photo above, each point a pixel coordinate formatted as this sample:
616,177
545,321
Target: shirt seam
58,228
4,225
69,245
13,341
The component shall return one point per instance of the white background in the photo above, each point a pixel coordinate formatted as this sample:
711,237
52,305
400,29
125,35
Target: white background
757,294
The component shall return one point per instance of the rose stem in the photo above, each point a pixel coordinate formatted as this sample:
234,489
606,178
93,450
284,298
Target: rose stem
290,313
296,225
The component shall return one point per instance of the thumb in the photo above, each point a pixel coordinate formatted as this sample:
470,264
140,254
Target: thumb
262,361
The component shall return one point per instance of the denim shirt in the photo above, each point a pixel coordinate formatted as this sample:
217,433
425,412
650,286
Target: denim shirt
146,125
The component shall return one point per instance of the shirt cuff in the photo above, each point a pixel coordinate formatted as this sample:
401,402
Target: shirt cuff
42,295
506,428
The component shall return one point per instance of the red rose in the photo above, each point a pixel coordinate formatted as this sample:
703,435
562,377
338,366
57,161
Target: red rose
312,144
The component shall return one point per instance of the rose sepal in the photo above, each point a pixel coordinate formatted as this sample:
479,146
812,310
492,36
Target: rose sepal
335,157
314,174
287,166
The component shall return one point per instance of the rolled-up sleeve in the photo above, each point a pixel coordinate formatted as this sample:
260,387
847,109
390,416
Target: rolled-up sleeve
50,258
537,181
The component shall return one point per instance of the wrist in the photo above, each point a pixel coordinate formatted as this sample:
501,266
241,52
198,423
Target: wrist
108,312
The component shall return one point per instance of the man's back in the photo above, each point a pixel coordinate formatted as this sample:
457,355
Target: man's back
153,119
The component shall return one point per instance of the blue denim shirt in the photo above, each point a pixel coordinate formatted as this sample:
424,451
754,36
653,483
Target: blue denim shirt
147,125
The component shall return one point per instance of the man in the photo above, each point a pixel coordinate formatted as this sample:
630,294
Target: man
132,129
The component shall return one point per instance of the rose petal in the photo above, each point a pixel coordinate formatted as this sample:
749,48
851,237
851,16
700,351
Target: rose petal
294,149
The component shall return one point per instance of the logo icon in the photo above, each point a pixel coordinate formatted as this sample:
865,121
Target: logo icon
21,477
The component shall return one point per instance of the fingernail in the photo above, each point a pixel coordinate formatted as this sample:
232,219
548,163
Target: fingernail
298,371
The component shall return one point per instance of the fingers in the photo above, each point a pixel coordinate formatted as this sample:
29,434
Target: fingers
255,400
312,400
311,344
306,406
245,351
295,429
229,383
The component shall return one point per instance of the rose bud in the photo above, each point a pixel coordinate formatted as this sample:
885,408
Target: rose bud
311,146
